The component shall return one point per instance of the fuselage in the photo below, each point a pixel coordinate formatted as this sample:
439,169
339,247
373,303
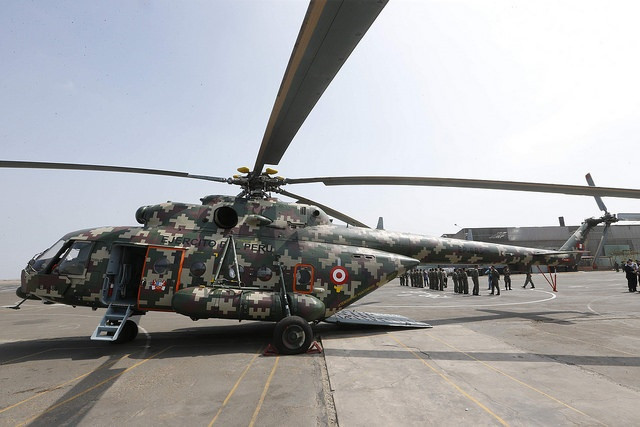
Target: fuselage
233,257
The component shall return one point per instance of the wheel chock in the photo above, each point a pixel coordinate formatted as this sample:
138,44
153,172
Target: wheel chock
315,348
270,351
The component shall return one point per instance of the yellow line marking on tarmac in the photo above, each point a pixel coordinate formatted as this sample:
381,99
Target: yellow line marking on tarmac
566,405
57,387
235,386
454,385
94,387
264,393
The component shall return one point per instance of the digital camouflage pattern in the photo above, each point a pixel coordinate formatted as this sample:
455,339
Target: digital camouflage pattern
224,259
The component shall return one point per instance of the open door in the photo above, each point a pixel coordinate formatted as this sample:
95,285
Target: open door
160,278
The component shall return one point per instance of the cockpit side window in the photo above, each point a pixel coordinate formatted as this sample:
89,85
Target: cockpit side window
74,260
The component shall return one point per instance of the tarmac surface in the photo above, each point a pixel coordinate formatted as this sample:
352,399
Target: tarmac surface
529,357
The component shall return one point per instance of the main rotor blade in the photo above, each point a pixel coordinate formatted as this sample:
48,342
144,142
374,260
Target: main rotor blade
599,201
578,190
334,213
330,31
103,168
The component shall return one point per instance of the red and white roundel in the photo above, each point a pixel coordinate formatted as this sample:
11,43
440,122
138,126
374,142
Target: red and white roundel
339,275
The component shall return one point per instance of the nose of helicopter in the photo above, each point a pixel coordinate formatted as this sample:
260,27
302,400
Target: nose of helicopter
21,291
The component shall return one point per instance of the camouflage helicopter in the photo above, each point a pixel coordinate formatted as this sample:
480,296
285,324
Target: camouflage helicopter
253,257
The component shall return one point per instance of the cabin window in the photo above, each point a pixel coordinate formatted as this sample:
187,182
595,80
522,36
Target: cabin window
75,259
303,279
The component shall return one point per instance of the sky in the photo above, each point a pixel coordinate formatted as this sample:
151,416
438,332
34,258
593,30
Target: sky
542,91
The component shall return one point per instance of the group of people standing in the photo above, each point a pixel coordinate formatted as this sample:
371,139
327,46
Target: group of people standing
436,279
432,278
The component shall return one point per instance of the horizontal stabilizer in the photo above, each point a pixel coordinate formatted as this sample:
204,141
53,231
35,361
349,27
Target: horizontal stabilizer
559,253
628,216
350,317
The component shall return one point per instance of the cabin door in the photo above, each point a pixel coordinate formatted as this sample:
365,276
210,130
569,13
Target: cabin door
160,277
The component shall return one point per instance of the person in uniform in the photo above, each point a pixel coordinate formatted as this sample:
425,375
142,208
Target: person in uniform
507,278
464,278
442,278
495,279
631,269
456,286
473,272
528,279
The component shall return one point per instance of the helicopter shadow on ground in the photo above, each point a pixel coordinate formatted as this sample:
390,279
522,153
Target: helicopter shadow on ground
243,340
196,341
92,387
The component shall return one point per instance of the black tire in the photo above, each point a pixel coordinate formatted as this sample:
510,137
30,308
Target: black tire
128,333
292,335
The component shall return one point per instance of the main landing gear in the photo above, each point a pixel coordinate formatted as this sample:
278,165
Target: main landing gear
292,335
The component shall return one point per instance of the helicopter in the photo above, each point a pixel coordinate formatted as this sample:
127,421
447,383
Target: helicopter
252,256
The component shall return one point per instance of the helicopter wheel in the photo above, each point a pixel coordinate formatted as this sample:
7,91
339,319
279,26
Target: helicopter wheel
128,333
292,335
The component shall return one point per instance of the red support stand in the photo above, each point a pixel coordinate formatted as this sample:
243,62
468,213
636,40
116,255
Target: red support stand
552,280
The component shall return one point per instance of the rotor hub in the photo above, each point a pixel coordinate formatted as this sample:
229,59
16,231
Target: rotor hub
257,185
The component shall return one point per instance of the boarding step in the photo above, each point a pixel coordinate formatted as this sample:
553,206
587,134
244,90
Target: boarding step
111,324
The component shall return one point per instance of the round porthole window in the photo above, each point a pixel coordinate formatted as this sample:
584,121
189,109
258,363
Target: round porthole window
197,269
264,273
161,265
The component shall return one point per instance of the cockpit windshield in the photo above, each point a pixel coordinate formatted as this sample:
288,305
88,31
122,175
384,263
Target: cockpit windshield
39,262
